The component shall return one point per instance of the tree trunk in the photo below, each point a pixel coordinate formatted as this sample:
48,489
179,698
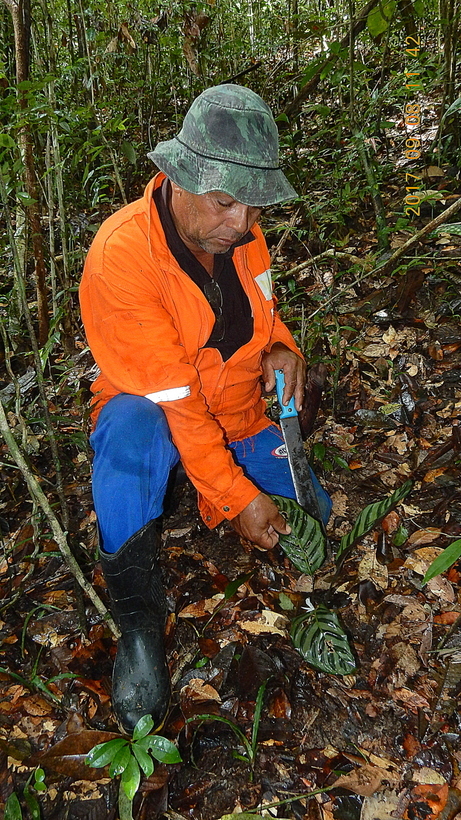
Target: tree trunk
408,17
20,17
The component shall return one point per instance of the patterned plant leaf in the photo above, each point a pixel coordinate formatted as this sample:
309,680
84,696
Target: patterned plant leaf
322,642
451,228
369,516
305,545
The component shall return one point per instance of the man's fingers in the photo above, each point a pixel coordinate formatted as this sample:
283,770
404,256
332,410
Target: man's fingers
281,525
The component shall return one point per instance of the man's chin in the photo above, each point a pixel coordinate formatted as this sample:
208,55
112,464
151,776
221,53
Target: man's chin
217,246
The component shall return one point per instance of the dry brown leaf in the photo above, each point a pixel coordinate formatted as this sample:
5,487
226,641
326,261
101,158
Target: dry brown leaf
426,775
410,699
37,706
268,621
431,475
391,522
447,618
365,780
370,569
339,500
375,351
201,608
398,442
199,690
380,806
426,536
421,559
442,588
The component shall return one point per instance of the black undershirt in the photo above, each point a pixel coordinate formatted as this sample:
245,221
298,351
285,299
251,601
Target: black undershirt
236,307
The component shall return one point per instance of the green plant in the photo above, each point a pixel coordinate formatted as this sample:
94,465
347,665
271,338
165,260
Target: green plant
305,546
127,757
35,683
250,746
318,634
444,560
13,810
322,642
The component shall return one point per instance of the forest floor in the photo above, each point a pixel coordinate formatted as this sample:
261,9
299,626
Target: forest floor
380,743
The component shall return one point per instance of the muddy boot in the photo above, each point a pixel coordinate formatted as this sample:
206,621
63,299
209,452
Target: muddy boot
140,680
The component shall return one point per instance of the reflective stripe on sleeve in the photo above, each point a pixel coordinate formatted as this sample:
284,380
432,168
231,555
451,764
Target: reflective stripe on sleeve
172,394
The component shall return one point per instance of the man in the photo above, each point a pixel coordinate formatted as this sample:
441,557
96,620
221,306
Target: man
178,308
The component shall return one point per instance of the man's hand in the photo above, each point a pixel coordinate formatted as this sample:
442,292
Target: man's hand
261,522
294,370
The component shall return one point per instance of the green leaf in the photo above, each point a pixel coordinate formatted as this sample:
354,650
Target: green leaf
453,228
418,8
24,198
144,759
32,803
444,560
322,642
305,545
285,602
455,106
6,141
335,47
13,809
162,749
370,515
143,727
129,152
103,753
257,715
120,761
379,18
237,732
233,586
131,778
400,536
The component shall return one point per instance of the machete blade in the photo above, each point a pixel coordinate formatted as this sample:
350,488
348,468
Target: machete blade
297,456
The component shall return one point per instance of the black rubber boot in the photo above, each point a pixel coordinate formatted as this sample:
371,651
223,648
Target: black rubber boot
140,680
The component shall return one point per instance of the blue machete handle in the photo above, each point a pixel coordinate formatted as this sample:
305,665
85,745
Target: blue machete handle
286,410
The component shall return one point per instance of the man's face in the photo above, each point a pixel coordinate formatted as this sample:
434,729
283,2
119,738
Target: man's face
210,222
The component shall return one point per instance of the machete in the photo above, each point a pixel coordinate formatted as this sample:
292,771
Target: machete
297,456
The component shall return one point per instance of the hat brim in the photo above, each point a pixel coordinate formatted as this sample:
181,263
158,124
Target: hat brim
256,187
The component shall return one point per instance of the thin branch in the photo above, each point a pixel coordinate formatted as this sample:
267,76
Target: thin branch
388,264
40,498
330,254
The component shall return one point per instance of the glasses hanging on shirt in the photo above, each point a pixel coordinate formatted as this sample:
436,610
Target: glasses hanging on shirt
213,293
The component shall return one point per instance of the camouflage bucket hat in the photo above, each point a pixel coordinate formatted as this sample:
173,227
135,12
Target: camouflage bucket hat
228,142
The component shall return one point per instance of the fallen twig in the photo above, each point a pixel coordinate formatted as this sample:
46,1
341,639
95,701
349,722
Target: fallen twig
59,535
388,264
330,254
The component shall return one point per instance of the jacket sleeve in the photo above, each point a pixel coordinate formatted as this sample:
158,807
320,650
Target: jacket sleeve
134,342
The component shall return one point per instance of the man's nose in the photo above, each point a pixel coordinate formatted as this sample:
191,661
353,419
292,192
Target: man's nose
239,217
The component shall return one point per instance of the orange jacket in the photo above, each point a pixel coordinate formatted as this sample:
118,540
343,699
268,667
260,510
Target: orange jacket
146,323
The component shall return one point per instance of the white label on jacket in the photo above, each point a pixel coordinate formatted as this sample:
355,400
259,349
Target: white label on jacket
172,394
264,281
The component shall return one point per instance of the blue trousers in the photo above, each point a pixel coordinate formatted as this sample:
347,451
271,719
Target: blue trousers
133,456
